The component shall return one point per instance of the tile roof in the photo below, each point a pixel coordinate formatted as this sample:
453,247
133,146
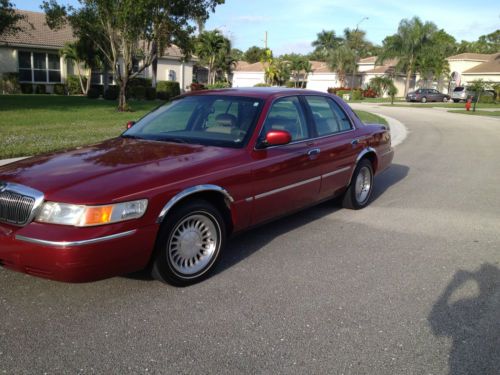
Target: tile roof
491,66
243,66
472,56
35,32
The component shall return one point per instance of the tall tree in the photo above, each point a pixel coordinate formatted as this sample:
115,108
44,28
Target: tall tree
408,45
126,30
343,61
431,63
355,40
326,41
214,49
83,54
254,54
9,18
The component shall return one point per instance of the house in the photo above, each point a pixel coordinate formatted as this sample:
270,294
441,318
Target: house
467,67
248,75
369,69
33,53
323,77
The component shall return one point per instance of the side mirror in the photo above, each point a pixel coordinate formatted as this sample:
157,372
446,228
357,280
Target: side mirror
276,138
130,124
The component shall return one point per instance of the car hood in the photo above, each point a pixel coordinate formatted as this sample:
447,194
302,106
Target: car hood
114,169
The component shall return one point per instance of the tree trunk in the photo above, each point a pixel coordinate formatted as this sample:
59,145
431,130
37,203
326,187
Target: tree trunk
122,101
89,81
476,101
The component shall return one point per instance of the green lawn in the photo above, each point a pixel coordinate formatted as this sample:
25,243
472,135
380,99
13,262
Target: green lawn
477,113
368,117
35,124
444,105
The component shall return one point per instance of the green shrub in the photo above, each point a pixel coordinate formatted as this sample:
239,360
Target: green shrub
137,92
9,83
262,85
357,95
59,89
150,93
219,85
112,93
167,89
26,88
93,93
40,89
73,84
487,99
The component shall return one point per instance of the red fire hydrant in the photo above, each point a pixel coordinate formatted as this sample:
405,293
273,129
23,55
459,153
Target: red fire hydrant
468,104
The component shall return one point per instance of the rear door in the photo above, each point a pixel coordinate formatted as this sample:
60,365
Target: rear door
336,138
287,177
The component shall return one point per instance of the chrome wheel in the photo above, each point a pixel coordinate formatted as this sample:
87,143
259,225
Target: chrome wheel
193,243
363,185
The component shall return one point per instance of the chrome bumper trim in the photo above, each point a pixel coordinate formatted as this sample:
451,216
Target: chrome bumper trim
75,243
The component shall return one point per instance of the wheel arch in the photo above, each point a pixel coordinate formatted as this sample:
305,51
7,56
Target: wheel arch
213,194
367,153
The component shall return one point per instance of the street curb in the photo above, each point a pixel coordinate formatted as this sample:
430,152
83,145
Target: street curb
399,132
8,161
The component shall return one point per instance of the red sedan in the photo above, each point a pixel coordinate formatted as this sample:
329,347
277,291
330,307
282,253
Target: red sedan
169,191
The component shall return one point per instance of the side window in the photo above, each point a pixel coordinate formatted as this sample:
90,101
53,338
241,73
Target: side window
329,118
286,114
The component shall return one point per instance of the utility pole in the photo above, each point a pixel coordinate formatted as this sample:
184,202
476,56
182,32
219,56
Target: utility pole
265,40
355,56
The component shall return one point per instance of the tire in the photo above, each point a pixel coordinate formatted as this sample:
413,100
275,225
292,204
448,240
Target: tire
456,100
189,244
424,100
362,179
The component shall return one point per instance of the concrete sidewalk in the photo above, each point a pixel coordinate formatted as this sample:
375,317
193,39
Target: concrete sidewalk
8,161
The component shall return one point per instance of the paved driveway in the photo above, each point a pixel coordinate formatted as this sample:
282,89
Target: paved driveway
410,285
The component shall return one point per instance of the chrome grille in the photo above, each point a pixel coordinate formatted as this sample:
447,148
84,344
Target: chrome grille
18,203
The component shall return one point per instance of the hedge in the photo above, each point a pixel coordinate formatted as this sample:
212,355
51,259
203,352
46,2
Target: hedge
165,90
9,83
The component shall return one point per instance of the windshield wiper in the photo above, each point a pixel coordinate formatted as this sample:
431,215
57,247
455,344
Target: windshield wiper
172,139
131,136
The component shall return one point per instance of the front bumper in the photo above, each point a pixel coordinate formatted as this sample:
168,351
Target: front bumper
75,255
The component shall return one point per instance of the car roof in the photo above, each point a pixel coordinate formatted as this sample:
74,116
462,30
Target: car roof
257,92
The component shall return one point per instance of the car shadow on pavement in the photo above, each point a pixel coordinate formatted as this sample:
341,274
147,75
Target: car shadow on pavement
245,244
388,178
473,322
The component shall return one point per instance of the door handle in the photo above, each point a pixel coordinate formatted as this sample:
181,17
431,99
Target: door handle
354,142
314,151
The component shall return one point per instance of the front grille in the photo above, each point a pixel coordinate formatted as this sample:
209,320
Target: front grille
18,203
15,208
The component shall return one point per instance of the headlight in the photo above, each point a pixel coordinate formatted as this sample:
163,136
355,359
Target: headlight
85,216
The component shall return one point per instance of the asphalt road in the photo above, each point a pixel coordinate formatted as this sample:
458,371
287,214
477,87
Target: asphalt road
409,285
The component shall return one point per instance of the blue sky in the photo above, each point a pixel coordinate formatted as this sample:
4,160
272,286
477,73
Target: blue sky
293,24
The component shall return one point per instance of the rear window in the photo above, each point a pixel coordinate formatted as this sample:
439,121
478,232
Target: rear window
458,89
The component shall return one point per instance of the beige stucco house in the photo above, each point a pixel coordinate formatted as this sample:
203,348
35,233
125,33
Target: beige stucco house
33,53
322,76
467,67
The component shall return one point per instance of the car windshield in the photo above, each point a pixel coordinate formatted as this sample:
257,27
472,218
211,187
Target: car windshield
458,89
214,120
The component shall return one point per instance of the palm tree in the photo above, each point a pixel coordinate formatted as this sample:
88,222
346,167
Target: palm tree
212,48
356,40
407,45
326,41
73,52
342,60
